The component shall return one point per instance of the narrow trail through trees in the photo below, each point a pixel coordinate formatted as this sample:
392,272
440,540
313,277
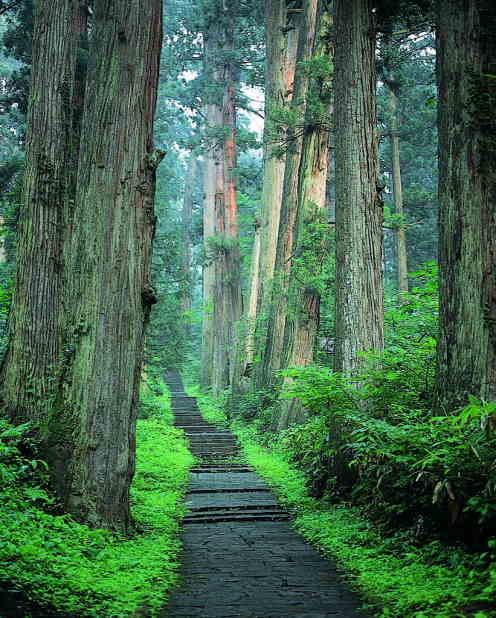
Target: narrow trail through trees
241,557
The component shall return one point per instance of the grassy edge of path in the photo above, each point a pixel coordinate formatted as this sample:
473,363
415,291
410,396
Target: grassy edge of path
397,579
71,569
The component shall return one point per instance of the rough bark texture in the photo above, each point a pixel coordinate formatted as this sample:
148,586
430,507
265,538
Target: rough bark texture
224,244
398,194
303,318
467,196
281,31
186,222
281,37
251,312
212,185
272,347
29,370
359,212
109,282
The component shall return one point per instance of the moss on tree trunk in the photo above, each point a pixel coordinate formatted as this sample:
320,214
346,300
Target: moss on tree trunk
467,197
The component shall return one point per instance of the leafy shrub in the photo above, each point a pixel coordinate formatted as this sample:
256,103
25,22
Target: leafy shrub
398,578
374,439
61,564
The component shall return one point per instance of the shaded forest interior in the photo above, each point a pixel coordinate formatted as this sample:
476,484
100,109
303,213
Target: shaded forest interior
293,204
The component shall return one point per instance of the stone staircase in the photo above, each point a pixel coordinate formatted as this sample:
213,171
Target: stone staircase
222,487
241,558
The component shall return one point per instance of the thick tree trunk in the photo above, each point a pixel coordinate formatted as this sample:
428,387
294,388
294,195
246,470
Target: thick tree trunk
398,194
213,181
29,371
228,303
251,312
467,197
281,37
186,223
272,347
109,283
359,212
281,33
311,244
223,289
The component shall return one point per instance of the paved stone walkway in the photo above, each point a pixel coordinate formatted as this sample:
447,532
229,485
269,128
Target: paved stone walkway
241,557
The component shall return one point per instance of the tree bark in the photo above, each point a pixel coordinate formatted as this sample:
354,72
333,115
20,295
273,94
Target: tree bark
93,423
212,186
467,197
359,212
273,344
223,245
251,312
186,222
281,34
311,239
30,367
281,39
398,194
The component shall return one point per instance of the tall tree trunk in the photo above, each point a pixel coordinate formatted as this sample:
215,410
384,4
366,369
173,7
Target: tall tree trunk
272,347
213,190
281,34
212,185
398,194
227,301
311,244
281,39
251,312
186,222
359,212
467,197
93,425
29,370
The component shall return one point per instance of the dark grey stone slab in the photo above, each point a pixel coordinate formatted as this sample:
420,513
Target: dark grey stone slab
248,568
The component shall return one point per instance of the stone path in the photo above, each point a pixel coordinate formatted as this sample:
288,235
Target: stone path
241,557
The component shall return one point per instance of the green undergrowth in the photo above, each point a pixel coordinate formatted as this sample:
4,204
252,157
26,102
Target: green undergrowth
397,577
77,571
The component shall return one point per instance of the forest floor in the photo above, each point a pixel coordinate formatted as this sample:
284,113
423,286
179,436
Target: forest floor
241,557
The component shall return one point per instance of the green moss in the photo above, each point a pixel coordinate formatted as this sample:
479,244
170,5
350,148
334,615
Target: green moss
67,566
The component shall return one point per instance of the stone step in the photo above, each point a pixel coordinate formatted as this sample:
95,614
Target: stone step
189,419
230,490
205,429
216,468
223,514
211,438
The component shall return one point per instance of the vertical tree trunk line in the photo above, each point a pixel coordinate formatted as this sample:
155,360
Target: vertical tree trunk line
93,425
398,194
303,318
467,196
282,33
186,222
273,346
281,39
359,212
251,312
30,366
227,300
213,189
